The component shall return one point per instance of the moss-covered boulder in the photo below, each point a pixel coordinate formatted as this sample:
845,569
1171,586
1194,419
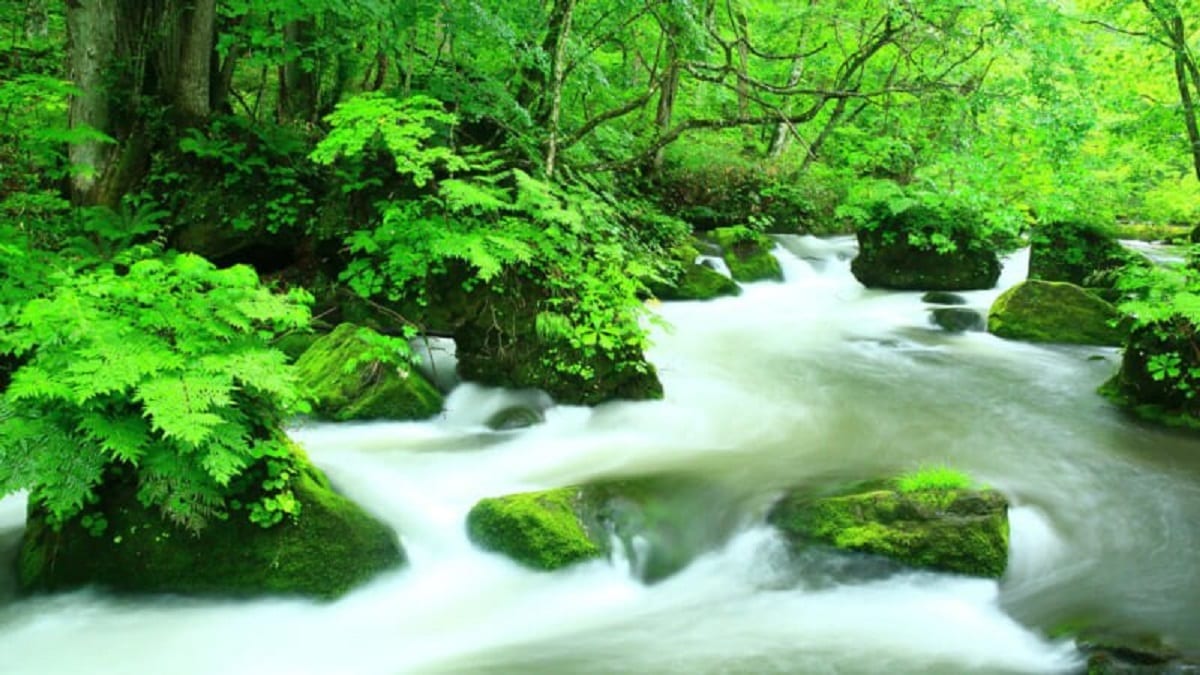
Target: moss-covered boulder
1078,253
1156,379
948,529
748,254
330,548
1048,311
545,530
887,258
371,390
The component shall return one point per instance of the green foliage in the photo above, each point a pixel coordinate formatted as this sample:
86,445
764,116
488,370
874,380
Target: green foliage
933,219
256,173
161,364
933,478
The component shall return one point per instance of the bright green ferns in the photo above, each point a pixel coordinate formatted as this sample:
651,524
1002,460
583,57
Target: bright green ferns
162,365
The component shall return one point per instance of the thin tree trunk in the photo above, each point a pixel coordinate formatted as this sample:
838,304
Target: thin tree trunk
560,30
298,86
666,98
37,20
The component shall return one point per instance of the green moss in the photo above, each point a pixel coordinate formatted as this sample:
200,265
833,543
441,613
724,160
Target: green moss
1044,311
542,530
748,254
933,477
370,391
698,282
954,530
330,548
295,344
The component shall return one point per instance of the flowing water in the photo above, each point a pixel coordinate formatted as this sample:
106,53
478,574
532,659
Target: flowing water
808,382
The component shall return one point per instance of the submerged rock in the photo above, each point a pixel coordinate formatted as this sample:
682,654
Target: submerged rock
545,530
947,529
886,259
331,547
370,390
1046,311
1118,655
515,417
943,298
748,254
957,319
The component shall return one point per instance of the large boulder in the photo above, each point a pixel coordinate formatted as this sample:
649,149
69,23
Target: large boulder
329,548
507,344
1048,311
951,529
697,282
887,258
368,390
1077,253
748,254
1156,378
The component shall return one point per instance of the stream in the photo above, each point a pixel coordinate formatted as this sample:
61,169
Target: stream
812,381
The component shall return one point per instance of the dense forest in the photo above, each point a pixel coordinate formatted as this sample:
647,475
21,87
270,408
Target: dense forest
192,192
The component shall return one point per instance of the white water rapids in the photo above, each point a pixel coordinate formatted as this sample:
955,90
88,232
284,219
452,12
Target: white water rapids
803,382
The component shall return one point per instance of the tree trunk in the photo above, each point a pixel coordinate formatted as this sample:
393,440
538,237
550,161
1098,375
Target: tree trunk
559,31
91,53
193,84
298,90
666,98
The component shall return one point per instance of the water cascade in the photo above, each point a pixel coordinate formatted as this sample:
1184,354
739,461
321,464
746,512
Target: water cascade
808,382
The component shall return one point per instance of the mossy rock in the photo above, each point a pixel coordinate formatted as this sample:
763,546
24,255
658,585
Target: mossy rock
329,549
748,254
295,344
886,259
652,519
1073,252
1117,654
1154,394
1049,311
369,391
543,530
500,346
697,282
947,529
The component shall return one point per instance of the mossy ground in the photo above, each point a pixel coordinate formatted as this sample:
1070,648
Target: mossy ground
1045,311
371,390
542,530
330,548
948,529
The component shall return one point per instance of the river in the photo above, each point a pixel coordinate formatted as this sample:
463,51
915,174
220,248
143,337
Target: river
806,382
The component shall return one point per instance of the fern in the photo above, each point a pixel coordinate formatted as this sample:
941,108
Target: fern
162,367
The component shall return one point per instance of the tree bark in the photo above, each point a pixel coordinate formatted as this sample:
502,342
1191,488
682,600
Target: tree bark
91,51
193,85
559,31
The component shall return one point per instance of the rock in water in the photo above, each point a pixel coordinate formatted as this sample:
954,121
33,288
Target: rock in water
748,254
515,417
957,319
330,548
370,390
943,298
948,529
698,282
886,259
544,530
1047,311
